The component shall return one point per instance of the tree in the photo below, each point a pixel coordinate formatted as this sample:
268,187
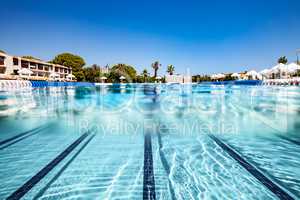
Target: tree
92,73
155,66
70,60
80,76
201,78
121,69
282,60
145,74
171,69
31,57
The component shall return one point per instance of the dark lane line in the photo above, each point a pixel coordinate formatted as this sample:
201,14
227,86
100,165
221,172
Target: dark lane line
19,193
280,193
289,139
21,135
149,183
44,189
165,164
36,131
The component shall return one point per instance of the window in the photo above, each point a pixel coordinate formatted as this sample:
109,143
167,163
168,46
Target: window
16,61
15,72
40,67
46,67
2,58
2,70
32,65
24,64
56,69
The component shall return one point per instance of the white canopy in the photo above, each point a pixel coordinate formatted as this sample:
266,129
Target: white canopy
265,71
70,76
158,78
104,78
217,76
293,67
54,75
259,76
279,68
251,73
220,75
235,75
122,78
25,71
213,76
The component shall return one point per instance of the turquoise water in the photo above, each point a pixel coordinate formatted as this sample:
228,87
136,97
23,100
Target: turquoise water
93,142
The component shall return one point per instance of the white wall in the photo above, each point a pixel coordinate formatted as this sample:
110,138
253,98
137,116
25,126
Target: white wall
8,63
178,79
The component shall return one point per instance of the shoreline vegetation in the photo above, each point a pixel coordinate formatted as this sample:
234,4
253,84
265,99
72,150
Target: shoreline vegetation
112,74
128,73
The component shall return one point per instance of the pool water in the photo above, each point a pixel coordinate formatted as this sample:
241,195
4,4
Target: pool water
150,141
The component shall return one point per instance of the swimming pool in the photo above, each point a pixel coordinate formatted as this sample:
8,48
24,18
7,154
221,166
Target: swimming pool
143,141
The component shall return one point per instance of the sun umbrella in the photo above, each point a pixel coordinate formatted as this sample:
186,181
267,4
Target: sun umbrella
235,75
265,71
293,67
25,71
213,76
122,78
279,68
220,75
54,75
282,68
70,76
252,73
104,78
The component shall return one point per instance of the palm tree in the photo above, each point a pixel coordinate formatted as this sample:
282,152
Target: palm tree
145,74
282,60
155,66
171,69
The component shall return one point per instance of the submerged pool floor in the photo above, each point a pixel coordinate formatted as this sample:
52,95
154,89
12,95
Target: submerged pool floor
150,142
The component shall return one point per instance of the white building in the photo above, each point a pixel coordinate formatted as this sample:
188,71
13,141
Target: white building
10,65
178,79
105,70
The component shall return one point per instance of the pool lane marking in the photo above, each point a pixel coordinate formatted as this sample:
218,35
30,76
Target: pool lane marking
275,189
289,139
44,189
149,182
19,193
21,135
165,164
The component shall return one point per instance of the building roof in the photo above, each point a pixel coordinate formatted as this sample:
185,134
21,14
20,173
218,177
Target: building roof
35,61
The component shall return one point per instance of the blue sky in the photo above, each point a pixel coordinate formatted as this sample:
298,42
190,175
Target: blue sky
204,36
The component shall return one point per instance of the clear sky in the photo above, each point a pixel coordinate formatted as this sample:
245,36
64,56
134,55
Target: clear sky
204,36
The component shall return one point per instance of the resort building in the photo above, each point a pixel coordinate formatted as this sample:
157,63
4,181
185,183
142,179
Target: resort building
14,67
178,78
105,70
